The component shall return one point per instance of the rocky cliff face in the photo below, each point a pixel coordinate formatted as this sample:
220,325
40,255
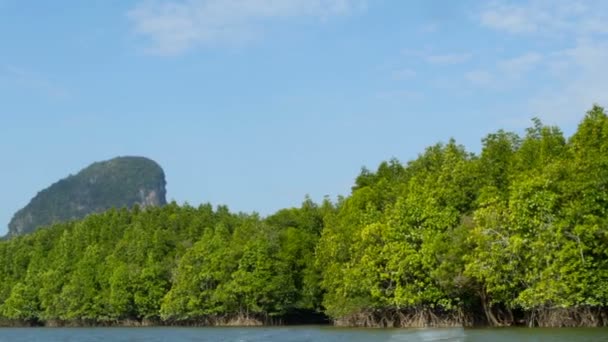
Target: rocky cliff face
119,182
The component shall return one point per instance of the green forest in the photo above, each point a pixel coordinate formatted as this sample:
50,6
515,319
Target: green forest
514,235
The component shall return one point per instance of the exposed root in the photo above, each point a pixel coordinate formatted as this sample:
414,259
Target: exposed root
568,317
390,318
413,318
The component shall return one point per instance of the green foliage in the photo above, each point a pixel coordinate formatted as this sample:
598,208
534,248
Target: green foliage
522,227
519,230
164,263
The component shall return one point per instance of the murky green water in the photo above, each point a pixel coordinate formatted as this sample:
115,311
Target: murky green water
297,334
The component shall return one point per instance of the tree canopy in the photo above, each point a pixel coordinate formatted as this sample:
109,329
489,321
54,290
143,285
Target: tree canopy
517,234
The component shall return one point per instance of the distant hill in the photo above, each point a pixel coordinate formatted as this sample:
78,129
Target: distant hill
119,182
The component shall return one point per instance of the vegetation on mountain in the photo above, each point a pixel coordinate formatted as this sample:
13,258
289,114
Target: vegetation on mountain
116,183
517,235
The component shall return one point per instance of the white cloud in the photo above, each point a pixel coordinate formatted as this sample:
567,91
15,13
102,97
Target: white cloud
506,73
511,18
517,66
176,26
450,58
479,77
18,77
404,74
567,79
546,16
401,94
417,53
583,84
431,27
577,80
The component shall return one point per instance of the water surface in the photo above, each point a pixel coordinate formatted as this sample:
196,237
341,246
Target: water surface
298,334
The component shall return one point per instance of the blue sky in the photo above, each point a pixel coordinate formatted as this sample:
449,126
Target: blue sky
256,103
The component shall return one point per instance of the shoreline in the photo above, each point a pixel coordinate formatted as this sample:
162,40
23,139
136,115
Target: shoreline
4,324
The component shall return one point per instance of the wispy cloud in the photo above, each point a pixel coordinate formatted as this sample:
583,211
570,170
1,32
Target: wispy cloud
480,77
512,18
404,74
506,72
27,79
173,27
450,58
521,64
430,27
583,84
574,68
401,94
546,16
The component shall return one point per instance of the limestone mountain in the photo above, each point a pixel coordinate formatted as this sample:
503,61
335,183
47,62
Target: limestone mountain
119,182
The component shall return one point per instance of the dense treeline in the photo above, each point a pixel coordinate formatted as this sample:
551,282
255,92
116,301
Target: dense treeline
515,235
175,264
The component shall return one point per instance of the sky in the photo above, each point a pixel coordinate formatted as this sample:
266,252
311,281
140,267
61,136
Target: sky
257,103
